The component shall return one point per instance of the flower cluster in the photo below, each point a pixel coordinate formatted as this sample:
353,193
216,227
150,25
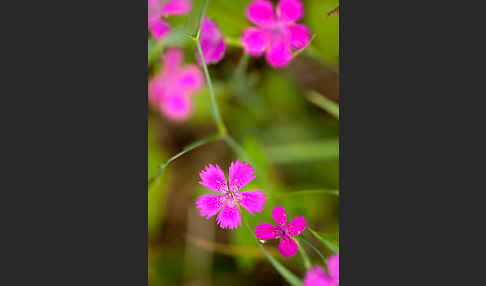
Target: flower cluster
227,201
171,90
276,34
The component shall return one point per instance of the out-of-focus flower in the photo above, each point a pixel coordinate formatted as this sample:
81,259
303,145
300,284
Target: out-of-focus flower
212,42
317,277
287,246
277,32
171,90
213,178
164,8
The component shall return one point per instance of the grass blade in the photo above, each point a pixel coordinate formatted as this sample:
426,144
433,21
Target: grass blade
325,241
324,103
309,192
186,149
289,276
319,150
315,249
305,257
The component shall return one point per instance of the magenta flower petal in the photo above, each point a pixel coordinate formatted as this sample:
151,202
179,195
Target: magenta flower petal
158,28
240,174
172,59
190,79
212,42
266,231
176,7
317,277
290,10
209,204
287,246
213,178
296,226
153,9
170,90
229,217
260,12
252,201
176,106
299,36
280,217
155,90
333,267
278,54
255,41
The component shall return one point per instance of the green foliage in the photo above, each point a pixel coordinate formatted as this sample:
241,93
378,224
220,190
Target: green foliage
156,192
329,241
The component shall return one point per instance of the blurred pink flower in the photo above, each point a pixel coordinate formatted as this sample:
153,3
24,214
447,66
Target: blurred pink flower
287,246
317,277
213,178
212,42
164,8
170,91
276,33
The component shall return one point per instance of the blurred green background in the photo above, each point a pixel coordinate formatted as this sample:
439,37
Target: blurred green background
292,141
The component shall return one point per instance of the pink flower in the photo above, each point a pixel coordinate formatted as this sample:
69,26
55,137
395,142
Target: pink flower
317,277
287,245
213,178
212,42
170,91
163,8
276,33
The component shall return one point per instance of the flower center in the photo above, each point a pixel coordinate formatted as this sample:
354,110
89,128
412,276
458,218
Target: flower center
230,198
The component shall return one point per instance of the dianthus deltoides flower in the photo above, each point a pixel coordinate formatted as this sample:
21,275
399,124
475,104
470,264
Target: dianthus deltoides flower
171,90
164,8
213,45
317,277
213,178
287,246
276,33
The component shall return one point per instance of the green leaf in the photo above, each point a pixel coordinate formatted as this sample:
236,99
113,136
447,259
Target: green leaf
309,192
305,151
303,254
289,276
334,248
315,249
324,103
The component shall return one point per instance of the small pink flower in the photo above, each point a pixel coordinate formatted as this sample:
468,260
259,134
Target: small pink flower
212,42
163,8
213,178
276,33
170,91
287,246
317,277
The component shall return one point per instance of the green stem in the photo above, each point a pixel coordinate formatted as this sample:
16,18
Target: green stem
186,149
324,103
315,249
324,241
214,106
289,276
309,192
303,254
